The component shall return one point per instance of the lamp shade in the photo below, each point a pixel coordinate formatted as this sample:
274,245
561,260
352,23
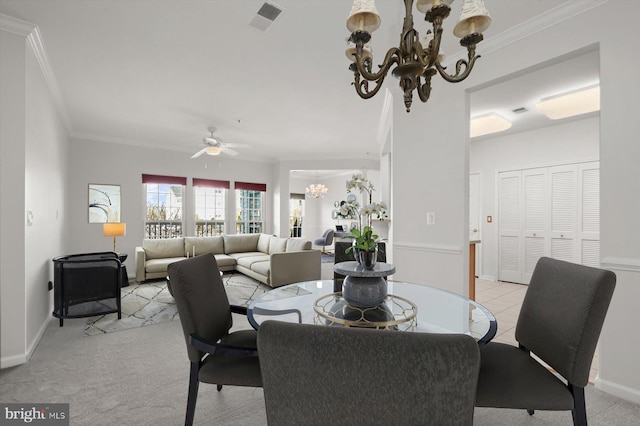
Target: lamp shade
363,16
474,18
425,5
114,229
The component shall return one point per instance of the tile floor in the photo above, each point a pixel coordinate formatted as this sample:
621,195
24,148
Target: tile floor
504,301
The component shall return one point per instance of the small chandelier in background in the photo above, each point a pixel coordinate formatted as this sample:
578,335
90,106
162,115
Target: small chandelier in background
416,61
316,191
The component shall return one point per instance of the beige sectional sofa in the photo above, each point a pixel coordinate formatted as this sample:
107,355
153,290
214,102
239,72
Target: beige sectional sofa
267,258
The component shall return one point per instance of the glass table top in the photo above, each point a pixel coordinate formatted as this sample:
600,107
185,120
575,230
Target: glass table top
409,307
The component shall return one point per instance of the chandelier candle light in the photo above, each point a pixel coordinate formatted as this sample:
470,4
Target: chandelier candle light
416,61
316,191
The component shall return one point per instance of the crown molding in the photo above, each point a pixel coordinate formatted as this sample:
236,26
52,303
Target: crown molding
34,38
15,25
536,24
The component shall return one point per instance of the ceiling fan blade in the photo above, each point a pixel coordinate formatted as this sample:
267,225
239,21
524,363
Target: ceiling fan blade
236,145
228,151
199,153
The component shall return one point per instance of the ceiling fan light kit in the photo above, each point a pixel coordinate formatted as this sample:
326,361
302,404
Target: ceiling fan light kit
215,146
416,62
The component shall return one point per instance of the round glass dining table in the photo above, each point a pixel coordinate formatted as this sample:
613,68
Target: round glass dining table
408,307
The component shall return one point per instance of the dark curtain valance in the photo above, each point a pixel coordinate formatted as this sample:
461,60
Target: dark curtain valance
171,180
211,183
251,186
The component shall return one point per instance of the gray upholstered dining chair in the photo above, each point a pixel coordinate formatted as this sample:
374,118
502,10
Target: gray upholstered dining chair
560,321
347,376
216,355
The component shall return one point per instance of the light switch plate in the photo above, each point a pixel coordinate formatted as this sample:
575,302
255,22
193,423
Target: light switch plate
431,218
29,218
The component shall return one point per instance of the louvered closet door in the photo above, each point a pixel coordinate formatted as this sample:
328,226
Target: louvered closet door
563,181
535,223
509,215
589,213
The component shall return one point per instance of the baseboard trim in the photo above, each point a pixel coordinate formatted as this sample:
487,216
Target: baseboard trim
618,390
434,248
34,343
12,361
487,278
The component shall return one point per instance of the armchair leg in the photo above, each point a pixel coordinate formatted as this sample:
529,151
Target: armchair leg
219,387
579,411
530,412
193,393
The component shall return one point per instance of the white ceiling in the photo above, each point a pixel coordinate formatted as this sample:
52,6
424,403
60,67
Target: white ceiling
156,73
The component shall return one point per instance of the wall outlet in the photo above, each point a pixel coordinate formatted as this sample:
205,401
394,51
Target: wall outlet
431,218
50,286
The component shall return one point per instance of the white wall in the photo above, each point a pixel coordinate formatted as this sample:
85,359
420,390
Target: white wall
576,141
106,163
47,151
33,153
12,200
428,138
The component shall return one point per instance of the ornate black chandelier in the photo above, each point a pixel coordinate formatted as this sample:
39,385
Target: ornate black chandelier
416,61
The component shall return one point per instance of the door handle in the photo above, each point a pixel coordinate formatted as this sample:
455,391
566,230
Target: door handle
475,229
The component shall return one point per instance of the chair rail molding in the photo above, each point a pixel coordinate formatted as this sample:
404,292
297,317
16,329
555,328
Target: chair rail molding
434,248
621,263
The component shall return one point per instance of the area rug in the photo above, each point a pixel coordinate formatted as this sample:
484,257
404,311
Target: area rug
150,303
328,258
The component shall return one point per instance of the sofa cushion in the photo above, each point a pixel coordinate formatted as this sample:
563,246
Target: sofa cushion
239,243
277,245
298,244
248,261
263,243
163,247
160,265
237,256
213,245
262,267
224,260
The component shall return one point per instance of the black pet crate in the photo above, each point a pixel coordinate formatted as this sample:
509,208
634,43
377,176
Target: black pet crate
87,285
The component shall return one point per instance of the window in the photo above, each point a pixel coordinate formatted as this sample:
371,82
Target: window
164,195
210,196
249,205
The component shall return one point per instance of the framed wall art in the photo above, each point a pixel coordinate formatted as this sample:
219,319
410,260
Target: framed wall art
104,203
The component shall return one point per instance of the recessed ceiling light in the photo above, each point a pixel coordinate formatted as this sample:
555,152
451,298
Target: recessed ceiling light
570,104
487,124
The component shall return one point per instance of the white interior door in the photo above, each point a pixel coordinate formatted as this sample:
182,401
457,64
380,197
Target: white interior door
509,226
588,234
535,219
564,185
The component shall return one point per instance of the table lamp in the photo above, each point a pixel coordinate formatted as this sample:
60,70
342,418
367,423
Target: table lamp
114,229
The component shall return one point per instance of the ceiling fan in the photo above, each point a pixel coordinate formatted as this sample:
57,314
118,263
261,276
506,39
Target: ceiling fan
215,146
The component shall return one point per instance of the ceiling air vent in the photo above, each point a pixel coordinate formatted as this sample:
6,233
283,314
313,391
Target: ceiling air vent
266,15
519,110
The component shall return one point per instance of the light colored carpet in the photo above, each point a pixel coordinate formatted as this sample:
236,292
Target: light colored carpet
140,377
151,303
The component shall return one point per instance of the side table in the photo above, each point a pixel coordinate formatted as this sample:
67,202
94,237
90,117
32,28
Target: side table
125,275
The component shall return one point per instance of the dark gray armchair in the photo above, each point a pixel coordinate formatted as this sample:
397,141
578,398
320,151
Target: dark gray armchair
216,355
320,375
325,240
560,322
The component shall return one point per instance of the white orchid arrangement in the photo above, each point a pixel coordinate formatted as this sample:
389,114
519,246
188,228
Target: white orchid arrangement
364,237
379,210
